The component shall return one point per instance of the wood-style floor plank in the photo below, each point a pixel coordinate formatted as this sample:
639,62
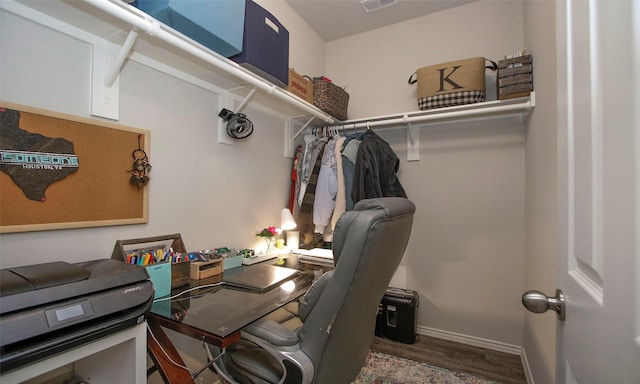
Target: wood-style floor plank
501,367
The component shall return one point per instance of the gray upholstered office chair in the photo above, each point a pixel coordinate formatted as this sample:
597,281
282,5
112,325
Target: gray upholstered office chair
337,316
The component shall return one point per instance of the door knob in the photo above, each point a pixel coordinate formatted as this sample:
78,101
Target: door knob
538,302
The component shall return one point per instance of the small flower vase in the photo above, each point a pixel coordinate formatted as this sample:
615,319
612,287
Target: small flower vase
269,241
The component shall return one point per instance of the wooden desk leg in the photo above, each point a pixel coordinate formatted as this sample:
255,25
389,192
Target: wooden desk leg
171,374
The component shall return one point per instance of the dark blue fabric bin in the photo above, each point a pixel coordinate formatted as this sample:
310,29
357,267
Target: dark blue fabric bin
265,48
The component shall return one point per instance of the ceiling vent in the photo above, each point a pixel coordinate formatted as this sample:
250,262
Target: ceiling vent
376,5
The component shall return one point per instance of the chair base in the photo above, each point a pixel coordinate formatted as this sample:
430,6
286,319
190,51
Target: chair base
284,366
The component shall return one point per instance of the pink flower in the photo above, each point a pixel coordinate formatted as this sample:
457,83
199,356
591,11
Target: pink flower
268,232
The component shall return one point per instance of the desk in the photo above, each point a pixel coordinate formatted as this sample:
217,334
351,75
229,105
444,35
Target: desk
214,313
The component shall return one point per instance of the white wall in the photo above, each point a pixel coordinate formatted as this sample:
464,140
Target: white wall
466,253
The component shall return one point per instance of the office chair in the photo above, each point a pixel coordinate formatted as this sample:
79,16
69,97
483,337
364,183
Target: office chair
336,318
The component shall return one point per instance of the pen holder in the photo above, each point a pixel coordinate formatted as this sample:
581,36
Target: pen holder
160,275
179,270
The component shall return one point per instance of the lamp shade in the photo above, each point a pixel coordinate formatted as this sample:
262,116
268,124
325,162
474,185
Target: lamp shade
286,220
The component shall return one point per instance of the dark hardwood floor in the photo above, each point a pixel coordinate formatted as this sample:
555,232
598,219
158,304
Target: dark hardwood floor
501,367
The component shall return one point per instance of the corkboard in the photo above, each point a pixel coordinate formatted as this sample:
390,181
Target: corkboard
97,193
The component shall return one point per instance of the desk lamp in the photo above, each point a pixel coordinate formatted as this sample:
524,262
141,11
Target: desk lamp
286,224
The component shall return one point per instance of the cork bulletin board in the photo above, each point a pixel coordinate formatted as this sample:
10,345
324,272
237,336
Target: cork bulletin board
60,171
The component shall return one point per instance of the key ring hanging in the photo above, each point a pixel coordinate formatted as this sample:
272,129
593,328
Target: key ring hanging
141,166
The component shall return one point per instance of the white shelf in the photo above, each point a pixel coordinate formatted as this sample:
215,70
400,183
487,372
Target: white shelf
117,358
516,107
127,31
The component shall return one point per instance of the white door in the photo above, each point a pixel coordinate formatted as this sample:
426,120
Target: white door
599,190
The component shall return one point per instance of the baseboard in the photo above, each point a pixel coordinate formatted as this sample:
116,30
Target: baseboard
482,343
471,340
526,367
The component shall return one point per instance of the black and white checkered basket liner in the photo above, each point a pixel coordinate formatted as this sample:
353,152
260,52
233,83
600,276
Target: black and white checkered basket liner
451,99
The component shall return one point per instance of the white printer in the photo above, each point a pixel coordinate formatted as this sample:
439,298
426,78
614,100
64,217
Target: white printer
48,308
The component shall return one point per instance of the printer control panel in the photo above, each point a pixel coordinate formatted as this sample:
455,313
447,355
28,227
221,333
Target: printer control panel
66,313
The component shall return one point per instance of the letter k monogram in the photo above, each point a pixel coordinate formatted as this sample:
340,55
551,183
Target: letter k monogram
446,78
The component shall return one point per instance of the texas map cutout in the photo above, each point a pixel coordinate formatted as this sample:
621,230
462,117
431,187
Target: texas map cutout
33,161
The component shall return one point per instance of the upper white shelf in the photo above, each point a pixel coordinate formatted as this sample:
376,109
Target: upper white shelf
136,32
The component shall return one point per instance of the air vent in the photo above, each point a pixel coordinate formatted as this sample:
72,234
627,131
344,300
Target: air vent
376,5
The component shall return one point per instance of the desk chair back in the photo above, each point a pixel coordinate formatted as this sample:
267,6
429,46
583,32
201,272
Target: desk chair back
368,244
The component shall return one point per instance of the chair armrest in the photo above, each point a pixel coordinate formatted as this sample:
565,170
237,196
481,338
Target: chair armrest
272,332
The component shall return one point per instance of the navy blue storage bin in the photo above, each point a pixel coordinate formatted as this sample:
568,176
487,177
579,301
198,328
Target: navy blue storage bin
265,48
218,25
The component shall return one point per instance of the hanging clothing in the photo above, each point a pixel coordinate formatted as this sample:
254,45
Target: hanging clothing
349,156
304,220
341,198
306,165
375,170
293,206
326,189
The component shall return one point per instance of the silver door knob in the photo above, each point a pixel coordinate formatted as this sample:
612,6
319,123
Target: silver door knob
538,302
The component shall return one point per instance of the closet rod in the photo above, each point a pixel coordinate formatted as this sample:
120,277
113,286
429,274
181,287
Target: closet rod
126,13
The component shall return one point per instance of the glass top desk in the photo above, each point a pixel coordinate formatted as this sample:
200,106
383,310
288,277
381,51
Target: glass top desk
213,311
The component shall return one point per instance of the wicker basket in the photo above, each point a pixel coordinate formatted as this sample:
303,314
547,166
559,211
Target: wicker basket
515,77
330,98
